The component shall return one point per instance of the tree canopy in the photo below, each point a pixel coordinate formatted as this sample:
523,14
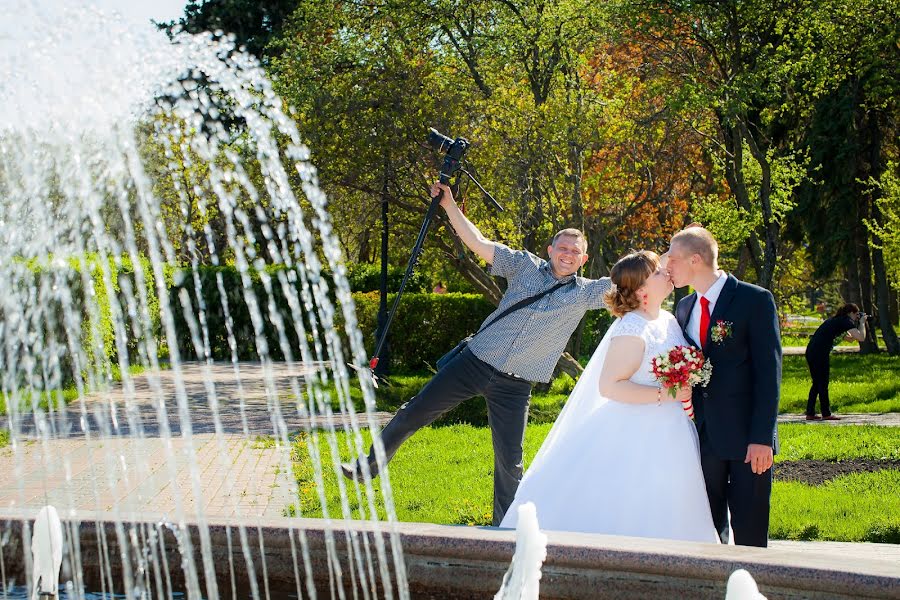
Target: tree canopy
773,122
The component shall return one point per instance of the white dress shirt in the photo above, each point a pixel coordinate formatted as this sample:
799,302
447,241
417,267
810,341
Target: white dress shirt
712,294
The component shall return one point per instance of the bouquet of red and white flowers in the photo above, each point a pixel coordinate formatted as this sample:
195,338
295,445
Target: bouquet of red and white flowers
681,366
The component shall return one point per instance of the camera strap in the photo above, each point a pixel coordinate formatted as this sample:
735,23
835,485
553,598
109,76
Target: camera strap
523,303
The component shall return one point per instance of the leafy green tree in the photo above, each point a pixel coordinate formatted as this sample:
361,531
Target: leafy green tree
851,133
737,59
253,22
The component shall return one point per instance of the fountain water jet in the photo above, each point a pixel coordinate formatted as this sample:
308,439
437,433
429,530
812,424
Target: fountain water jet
46,552
109,159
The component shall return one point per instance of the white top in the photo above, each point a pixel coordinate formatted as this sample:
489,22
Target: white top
659,336
712,294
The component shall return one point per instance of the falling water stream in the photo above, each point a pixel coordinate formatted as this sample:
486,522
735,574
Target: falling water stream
119,148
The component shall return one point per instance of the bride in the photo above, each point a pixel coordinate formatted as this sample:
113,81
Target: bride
623,458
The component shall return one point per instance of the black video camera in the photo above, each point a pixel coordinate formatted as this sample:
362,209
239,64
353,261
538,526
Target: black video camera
454,151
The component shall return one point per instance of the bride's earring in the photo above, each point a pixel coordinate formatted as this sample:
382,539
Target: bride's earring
645,299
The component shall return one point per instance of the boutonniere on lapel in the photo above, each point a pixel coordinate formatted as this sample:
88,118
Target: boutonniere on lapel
720,331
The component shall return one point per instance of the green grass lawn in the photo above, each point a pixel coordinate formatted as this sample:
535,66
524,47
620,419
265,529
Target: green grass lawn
444,475
802,340
859,383
863,507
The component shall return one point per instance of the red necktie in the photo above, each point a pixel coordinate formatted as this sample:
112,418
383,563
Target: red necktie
704,319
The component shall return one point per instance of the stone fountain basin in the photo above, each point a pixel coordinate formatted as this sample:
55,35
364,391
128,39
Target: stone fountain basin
456,562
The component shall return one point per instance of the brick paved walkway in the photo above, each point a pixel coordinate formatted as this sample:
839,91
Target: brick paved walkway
884,419
240,473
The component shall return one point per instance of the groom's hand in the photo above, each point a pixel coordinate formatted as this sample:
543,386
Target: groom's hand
760,458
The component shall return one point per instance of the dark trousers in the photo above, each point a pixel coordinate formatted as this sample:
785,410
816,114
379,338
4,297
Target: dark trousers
819,370
462,378
732,486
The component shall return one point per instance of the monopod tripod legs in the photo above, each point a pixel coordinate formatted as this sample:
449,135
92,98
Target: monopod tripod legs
413,259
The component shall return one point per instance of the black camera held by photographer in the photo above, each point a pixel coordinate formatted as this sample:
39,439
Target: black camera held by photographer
454,151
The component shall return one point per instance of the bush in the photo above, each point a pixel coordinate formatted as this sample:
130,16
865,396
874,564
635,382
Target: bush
229,307
425,327
595,326
74,292
367,278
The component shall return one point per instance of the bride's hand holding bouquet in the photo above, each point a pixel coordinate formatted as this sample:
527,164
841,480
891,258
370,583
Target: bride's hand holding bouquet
680,369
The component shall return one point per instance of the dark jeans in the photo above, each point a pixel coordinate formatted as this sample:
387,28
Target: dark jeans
819,369
462,378
731,485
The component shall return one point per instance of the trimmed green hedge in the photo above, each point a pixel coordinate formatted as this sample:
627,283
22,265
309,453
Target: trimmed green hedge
425,326
367,278
85,282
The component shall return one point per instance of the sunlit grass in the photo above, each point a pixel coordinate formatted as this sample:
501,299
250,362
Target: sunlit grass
800,441
867,383
444,475
862,507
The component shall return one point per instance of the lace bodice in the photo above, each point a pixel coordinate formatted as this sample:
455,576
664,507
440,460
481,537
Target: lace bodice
659,335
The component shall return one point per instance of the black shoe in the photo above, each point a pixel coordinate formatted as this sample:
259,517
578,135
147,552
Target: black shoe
349,470
353,472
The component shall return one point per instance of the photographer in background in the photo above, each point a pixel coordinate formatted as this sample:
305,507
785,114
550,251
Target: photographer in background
518,344
848,320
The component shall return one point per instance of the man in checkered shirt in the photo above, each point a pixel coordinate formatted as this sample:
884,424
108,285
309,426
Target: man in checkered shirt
501,362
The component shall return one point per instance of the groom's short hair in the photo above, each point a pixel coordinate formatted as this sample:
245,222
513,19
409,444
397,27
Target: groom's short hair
698,240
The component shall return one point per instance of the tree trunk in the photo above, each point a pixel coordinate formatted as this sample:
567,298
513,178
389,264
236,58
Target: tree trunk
883,300
382,367
766,271
574,345
894,307
734,174
743,262
865,286
567,364
577,170
882,289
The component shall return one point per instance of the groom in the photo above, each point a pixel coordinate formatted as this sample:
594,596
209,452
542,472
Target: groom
736,325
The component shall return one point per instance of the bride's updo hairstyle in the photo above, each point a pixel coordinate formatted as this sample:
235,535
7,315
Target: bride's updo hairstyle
628,275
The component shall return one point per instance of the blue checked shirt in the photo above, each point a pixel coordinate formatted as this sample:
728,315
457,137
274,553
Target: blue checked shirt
528,342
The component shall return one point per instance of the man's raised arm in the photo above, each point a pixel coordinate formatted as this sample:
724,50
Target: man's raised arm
464,228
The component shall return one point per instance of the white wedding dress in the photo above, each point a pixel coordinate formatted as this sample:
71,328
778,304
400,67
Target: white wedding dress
616,468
